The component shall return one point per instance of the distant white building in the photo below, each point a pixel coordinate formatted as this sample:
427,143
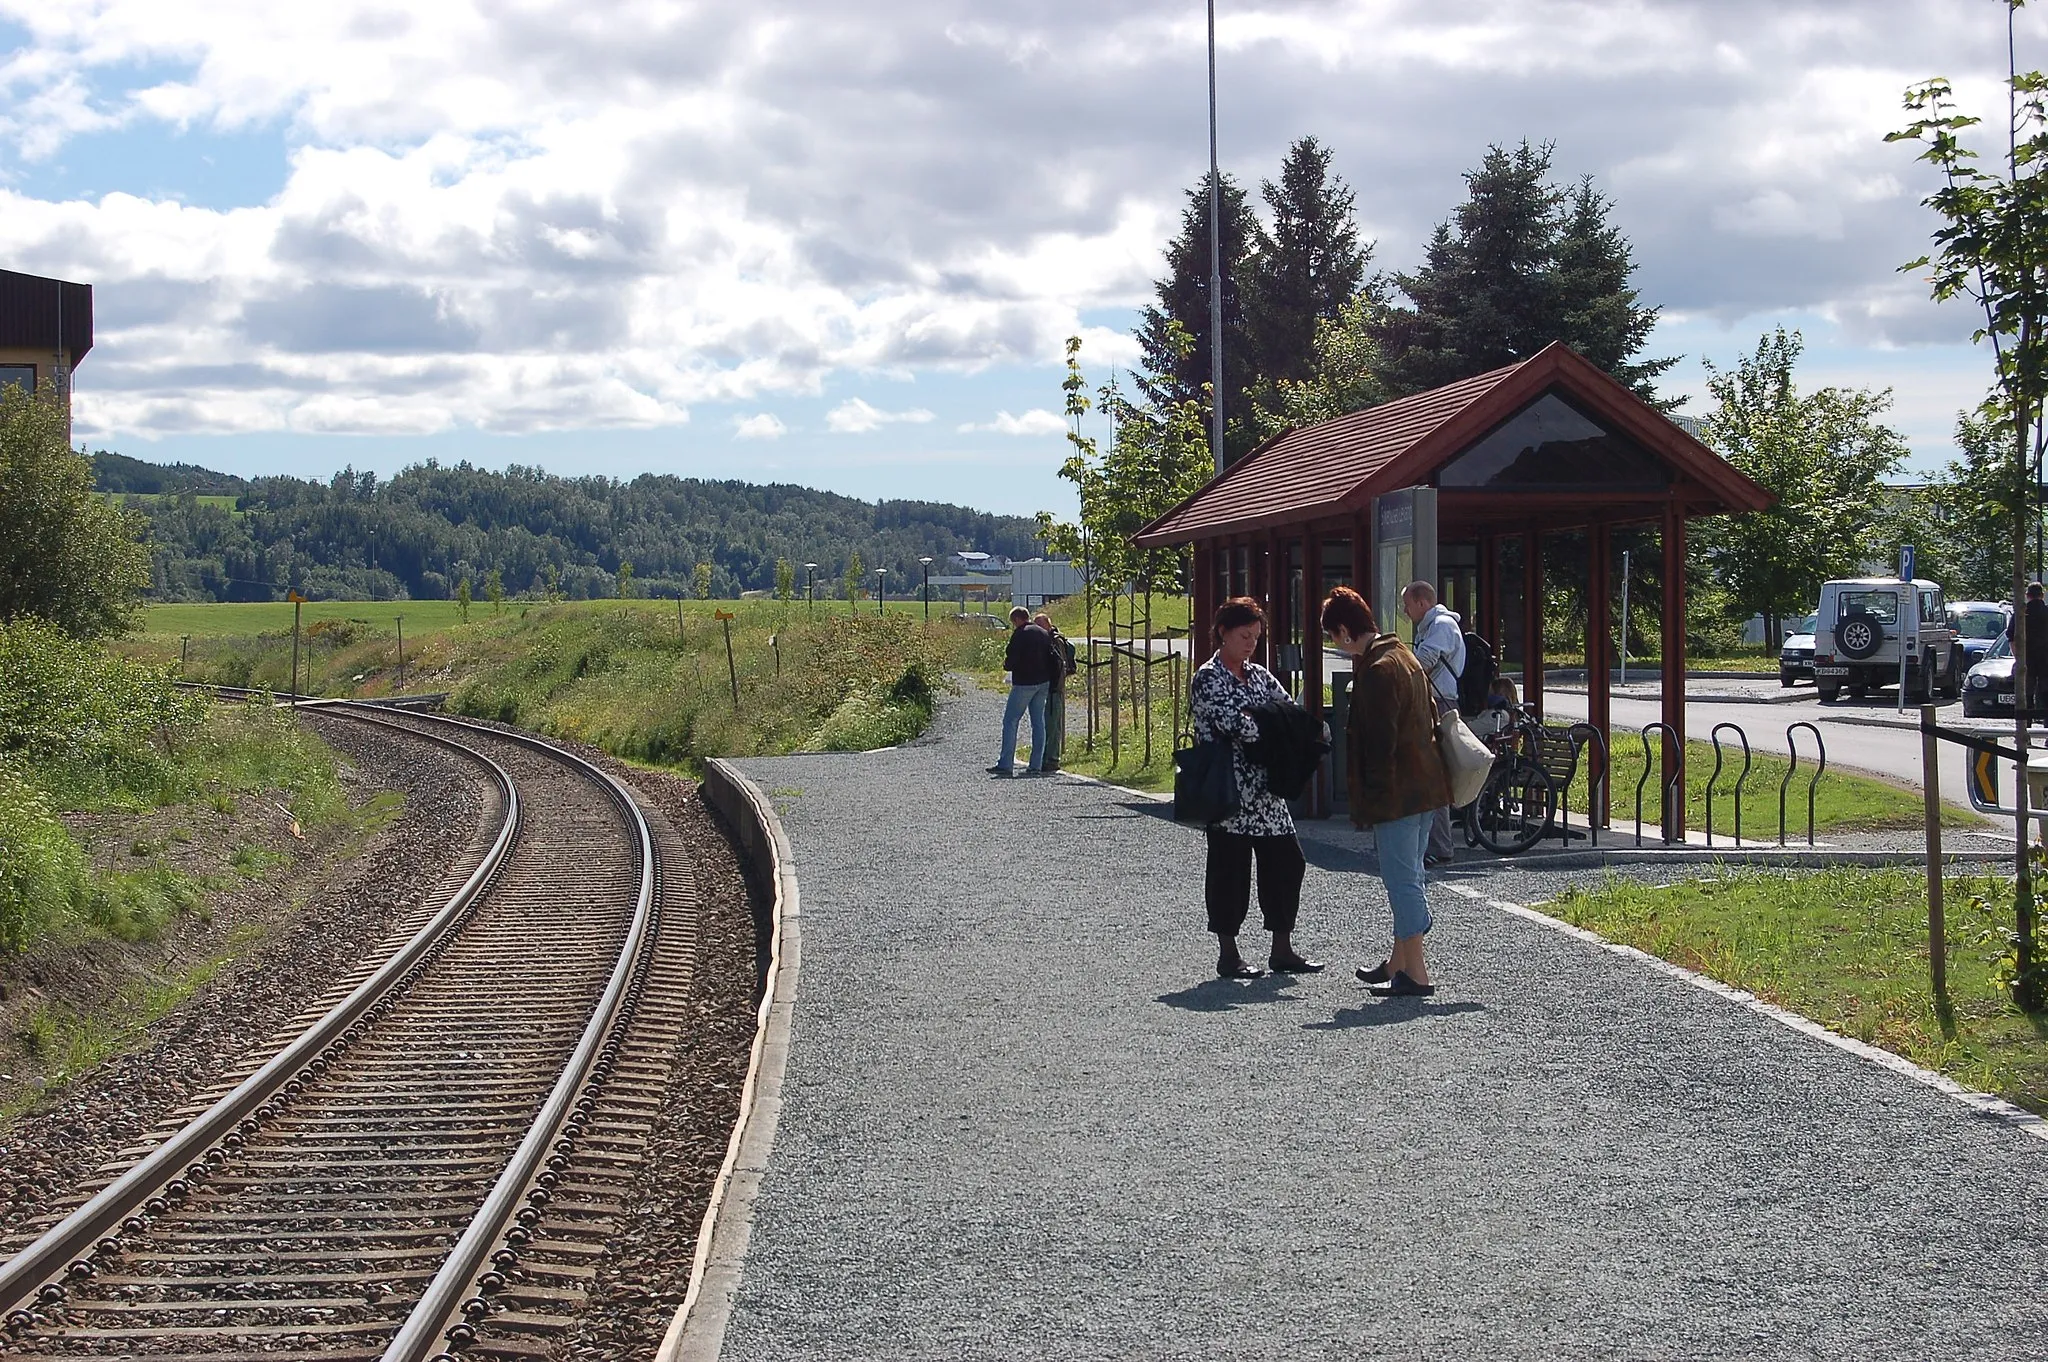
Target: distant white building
967,560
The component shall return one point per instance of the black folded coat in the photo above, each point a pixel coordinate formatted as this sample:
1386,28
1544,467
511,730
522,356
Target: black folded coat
1290,745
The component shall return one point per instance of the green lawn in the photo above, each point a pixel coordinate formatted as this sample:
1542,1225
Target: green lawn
1843,803
1848,948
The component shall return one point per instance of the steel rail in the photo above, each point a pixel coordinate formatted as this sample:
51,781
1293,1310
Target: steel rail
481,1245
67,1248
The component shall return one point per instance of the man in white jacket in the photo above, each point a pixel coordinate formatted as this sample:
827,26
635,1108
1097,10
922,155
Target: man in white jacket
1440,648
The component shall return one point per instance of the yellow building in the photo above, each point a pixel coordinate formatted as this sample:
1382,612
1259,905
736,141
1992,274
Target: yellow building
45,329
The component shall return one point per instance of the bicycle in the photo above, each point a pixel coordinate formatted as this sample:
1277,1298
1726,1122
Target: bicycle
1518,803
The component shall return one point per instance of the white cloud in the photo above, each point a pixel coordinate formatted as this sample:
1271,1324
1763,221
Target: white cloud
556,216
1037,421
855,417
760,426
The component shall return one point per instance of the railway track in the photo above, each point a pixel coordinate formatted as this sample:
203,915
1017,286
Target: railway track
431,1164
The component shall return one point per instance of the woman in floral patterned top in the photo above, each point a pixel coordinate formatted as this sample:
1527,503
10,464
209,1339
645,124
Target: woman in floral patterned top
1226,689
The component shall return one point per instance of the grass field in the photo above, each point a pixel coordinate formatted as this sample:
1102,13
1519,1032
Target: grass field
247,619
1849,948
643,679
226,503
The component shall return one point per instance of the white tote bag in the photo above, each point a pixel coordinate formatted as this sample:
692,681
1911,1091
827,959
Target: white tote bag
1466,759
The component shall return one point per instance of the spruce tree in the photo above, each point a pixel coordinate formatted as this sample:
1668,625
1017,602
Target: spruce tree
1522,263
1308,265
1174,374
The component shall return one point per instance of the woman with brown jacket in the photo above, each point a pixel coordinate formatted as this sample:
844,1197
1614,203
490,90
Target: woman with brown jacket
1397,780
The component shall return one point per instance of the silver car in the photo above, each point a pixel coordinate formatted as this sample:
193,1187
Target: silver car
1796,659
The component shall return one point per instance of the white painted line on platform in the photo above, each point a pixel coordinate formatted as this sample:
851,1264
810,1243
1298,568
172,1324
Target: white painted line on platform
1984,1103
1120,789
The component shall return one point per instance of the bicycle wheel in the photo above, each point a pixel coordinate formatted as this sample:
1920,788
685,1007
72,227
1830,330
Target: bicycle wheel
1515,807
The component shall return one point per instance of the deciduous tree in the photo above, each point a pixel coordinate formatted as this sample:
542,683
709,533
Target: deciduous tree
66,555
1992,249
1823,454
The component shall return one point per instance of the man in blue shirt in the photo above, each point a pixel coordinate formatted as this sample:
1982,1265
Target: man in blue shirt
1440,648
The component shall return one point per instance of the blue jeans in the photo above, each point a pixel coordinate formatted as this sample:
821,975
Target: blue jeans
1401,844
1024,698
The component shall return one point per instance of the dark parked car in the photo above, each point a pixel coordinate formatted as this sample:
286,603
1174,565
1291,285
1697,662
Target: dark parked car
1978,626
1988,692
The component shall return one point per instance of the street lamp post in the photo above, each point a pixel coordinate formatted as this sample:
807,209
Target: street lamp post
881,591
926,564
810,570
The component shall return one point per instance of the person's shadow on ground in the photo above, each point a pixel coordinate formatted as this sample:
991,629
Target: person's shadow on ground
1228,995
1391,1012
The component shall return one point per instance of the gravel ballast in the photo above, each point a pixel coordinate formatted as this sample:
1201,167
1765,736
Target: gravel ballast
1022,1119
349,905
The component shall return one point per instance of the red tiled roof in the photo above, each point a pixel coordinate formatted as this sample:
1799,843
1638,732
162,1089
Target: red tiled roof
1322,469
1315,466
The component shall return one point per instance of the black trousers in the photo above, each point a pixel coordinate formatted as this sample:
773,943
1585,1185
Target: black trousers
1228,887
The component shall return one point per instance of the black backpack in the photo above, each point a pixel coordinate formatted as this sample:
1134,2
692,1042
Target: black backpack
1477,679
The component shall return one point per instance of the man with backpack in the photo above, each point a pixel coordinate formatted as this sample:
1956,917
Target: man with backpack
1056,692
1440,648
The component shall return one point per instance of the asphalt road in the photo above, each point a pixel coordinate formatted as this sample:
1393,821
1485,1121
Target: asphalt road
1887,751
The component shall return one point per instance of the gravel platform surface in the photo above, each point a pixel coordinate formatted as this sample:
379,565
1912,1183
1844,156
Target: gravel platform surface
1022,1119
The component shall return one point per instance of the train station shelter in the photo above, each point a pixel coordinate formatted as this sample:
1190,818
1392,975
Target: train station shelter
45,329
1545,461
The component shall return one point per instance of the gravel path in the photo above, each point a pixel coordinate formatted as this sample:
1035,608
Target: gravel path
1021,1120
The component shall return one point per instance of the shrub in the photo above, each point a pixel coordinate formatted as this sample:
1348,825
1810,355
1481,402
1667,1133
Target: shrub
93,727
42,870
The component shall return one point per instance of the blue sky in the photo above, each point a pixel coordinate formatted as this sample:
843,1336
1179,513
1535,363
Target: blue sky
790,242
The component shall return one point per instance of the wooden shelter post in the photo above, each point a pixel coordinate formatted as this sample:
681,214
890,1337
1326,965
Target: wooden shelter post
1532,621
1599,661
1487,617
1312,656
1275,600
1674,670
1202,602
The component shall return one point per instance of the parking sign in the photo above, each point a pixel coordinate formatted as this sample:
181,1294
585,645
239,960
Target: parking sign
1906,563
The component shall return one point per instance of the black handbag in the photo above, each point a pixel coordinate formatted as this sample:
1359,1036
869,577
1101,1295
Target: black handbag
1204,783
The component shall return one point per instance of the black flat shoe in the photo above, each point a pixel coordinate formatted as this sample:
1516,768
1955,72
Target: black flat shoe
1378,974
1295,964
1234,967
1403,987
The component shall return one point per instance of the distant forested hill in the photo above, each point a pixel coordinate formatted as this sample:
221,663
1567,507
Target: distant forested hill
430,527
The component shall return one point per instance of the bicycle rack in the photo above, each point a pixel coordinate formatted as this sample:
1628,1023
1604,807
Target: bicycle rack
1792,747
1716,737
1596,791
1670,779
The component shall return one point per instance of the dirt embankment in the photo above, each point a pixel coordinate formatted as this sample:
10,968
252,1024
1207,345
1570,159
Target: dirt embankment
250,956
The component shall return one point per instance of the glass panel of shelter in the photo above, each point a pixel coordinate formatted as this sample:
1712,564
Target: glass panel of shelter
1550,445
1457,581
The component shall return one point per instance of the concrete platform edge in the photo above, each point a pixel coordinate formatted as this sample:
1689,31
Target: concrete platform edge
697,1334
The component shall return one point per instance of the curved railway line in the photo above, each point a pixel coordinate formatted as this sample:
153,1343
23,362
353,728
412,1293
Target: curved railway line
431,1162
